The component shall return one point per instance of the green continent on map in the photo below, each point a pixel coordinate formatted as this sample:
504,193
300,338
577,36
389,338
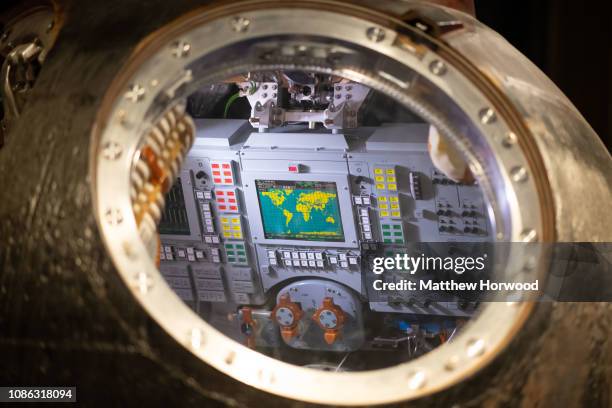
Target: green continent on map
307,214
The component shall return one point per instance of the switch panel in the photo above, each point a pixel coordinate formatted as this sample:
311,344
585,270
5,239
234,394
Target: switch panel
231,226
227,200
222,173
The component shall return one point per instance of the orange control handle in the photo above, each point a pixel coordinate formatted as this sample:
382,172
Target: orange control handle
287,315
330,317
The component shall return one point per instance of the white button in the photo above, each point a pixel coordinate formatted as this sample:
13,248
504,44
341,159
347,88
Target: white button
319,255
342,257
295,255
215,240
208,221
287,263
358,200
207,195
199,254
200,195
208,239
191,258
352,260
272,261
180,253
312,263
311,255
216,259
162,256
304,263
169,257
366,200
364,212
343,264
167,248
296,263
210,228
366,227
303,255
333,260
287,255
214,251
320,264
365,220
207,214
271,254
190,251
367,235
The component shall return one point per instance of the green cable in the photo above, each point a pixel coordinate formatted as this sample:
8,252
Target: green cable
232,99
229,103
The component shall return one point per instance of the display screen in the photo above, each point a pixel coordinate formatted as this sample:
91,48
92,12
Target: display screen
300,210
174,219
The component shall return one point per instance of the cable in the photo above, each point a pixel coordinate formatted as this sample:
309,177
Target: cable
342,362
229,103
251,90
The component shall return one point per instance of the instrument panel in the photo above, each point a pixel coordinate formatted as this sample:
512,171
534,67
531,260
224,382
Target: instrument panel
263,228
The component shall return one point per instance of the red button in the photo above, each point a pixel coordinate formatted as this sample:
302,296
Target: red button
216,173
222,207
225,166
217,180
232,200
233,208
221,200
215,165
293,169
230,193
228,181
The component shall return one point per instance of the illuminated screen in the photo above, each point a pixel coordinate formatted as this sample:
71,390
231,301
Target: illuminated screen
301,210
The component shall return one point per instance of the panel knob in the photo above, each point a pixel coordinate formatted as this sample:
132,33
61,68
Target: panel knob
330,317
287,315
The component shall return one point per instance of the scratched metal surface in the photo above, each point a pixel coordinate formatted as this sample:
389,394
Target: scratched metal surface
67,319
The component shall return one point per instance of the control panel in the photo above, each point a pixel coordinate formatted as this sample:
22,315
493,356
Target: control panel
278,228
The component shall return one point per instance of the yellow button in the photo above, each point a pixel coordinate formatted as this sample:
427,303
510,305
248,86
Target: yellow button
395,206
382,199
224,220
378,171
392,187
237,235
235,220
383,206
380,178
395,213
391,179
236,227
227,234
394,199
380,186
384,213
391,172
226,228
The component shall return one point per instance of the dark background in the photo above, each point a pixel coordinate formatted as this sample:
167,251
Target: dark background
571,41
